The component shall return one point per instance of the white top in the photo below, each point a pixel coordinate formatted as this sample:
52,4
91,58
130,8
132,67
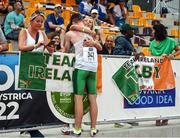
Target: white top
117,11
86,57
31,41
103,8
87,7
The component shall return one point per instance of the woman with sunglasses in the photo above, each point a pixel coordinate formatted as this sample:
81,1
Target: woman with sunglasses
32,38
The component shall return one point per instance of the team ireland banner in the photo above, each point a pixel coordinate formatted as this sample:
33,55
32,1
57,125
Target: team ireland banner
43,71
50,72
146,73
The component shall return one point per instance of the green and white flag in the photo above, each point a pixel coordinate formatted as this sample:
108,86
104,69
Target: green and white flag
126,80
43,71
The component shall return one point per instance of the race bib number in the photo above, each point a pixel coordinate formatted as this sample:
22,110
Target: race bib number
89,54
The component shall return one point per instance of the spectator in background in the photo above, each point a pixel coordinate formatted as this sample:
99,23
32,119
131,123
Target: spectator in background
126,4
3,42
50,47
96,24
13,22
120,13
164,46
2,7
54,45
94,15
23,10
55,22
85,7
6,10
101,7
107,48
123,44
110,13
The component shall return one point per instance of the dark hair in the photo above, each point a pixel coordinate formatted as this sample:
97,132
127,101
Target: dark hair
18,1
160,33
74,18
54,34
123,32
77,17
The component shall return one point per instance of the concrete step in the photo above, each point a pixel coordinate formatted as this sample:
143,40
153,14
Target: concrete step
144,129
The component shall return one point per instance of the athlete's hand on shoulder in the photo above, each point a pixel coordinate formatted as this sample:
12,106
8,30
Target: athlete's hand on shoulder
92,33
88,43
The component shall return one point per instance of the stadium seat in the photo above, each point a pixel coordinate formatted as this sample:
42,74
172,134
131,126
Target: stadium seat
175,33
73,3
57,1
68,2
48,12
130,21
41,1
136,15
67,16
27,21
10,47
178,56
26,0
151,16
137,8
29,11
32,4
143,23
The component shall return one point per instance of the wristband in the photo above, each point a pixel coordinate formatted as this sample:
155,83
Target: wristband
83,29
94,42
35,46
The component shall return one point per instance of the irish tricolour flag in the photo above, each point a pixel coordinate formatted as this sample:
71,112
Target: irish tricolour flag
146,73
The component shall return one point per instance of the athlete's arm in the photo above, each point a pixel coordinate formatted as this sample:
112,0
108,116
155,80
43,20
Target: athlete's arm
93,43
82,29
67,42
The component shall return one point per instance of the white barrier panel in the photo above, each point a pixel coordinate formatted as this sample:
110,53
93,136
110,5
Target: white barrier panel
111,103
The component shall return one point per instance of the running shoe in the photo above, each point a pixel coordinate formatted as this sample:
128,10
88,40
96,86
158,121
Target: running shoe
94,131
